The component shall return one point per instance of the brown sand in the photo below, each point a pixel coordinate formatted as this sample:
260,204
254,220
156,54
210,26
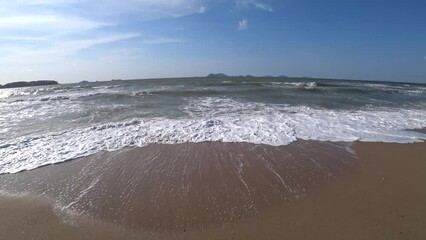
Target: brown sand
306,190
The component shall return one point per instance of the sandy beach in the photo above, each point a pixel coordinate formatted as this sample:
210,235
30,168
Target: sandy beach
307,190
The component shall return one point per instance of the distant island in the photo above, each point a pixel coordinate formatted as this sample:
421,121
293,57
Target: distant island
29,84
217,75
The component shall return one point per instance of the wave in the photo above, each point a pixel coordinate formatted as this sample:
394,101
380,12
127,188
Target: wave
217,119
187,92
19,92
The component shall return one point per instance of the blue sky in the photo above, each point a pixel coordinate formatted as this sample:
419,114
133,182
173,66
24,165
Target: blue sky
75,40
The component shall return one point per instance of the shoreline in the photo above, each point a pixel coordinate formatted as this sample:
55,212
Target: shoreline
327,188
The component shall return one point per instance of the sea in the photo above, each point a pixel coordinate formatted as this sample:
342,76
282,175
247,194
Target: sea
51,124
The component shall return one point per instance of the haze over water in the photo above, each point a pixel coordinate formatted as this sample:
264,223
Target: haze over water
50,124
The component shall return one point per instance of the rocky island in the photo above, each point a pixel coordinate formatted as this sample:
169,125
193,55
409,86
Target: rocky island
217,75
29,84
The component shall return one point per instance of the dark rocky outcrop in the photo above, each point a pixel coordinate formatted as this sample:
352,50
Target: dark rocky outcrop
29,84
217,75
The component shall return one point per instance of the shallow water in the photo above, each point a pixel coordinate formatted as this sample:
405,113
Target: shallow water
182,186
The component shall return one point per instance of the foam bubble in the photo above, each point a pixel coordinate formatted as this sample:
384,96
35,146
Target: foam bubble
217,119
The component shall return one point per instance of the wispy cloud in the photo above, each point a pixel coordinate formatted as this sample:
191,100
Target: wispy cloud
44,36
143,9
40,37
52,24
60,49
202,9
255,4
163,41
43,2
263,6
243,25
31,19
23,38
38,34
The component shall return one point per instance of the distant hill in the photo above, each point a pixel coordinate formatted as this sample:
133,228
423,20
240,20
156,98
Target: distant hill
29,84
217,75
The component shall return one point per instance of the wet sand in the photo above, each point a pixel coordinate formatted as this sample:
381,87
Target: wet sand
308,190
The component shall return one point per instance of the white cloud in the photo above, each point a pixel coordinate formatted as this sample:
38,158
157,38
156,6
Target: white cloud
59,49
254,3
49,24
45,38
163,41
156,9
202,9
62,62
43,2
72,47
23,38
44,35
263,6
140,9
243,25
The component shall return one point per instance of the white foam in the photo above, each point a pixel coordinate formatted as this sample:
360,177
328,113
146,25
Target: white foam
216,119
305,85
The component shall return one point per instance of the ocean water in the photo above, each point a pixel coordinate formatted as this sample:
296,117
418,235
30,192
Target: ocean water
51,124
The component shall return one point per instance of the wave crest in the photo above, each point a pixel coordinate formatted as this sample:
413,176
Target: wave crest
217,119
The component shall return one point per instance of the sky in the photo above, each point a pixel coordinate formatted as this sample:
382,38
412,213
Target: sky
76,40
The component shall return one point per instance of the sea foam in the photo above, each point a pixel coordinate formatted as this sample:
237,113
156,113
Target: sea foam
217,119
